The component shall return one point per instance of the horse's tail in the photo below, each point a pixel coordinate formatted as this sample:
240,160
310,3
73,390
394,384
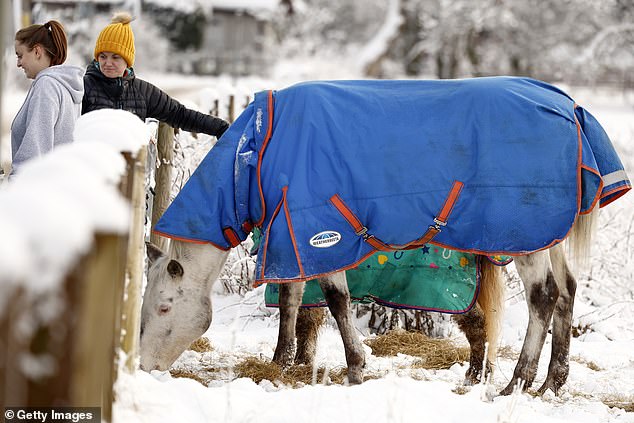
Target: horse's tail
491,300
580,239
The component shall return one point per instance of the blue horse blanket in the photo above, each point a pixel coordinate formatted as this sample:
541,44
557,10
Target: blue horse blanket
333,171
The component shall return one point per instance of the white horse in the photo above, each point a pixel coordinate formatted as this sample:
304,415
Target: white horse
177,310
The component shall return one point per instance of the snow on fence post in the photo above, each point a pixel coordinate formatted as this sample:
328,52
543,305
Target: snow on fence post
163,177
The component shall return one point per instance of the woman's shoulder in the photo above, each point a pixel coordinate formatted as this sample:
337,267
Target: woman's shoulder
145,87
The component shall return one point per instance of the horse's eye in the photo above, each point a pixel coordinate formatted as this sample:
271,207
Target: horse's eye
164,309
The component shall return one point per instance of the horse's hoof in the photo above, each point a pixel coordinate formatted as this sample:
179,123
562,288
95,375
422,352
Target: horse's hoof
548,385
355,377
472,377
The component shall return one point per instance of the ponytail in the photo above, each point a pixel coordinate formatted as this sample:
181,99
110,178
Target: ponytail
51,36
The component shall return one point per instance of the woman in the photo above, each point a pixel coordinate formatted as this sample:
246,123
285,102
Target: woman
53,103
110,83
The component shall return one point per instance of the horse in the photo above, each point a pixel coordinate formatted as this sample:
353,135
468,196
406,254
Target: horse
495,165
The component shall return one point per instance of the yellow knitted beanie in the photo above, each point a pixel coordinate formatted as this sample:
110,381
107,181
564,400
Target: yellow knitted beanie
117,38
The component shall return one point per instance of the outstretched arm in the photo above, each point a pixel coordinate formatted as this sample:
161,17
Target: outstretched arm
166,109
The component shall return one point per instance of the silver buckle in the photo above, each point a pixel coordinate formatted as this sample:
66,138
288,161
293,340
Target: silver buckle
363,232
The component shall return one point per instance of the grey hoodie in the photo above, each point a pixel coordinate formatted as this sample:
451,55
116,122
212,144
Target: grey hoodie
47,117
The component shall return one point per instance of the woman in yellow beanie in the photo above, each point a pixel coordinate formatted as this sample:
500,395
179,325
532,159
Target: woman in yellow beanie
110,83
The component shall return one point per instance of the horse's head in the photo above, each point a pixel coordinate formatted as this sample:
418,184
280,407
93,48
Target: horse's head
176,304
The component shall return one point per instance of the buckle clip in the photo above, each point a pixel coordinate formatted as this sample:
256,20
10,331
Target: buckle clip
363,232
439,222
438,225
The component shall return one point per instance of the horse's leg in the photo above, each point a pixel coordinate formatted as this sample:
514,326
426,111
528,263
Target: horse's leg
473,325
335,289
309,320
541,294
562,321
482,323
290,298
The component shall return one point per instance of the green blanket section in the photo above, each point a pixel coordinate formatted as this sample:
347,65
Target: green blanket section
429,278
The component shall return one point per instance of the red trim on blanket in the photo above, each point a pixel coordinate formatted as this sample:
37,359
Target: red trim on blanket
262,280
267,137
579,159
502,253
623,188
291,232
597,196
193,241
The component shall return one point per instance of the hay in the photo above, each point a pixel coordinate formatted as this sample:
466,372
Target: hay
627,406
589,364
201,345
295,376
508,353
624,402
434,354
180,373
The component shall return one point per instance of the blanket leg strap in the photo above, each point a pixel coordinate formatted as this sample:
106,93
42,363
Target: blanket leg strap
440,221
231,236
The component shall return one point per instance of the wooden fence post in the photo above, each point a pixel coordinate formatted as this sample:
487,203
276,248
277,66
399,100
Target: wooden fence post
98,324
163,178
231,108
135,262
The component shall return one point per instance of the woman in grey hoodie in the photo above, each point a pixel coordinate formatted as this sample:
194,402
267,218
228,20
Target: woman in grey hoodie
53,103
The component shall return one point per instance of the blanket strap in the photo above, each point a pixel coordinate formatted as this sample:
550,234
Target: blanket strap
439,222
231,236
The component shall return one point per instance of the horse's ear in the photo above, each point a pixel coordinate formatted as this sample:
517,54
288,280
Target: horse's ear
153,252
175,269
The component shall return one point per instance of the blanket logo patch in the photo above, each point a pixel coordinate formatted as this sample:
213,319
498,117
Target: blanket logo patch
325,239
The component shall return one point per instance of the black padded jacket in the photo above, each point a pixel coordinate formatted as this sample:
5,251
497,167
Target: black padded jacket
144,100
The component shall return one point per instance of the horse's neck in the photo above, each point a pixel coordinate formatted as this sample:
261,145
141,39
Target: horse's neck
201,262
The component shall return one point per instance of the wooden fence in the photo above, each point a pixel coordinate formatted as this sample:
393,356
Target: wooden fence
101,296
71,358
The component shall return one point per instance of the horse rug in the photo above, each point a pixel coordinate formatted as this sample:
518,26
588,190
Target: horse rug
429,278
334,171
